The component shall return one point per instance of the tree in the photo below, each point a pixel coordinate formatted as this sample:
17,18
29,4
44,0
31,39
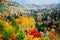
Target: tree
0,2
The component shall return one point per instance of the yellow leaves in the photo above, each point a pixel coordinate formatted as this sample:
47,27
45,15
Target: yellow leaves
32,20
53,35
42,33
39,16
15,34
54,38
0,20
36,39
29,37
47,32
7,24
52,30
26,22
1,17
17,20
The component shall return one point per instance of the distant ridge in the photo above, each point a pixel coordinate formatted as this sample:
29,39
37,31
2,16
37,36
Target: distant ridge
45,5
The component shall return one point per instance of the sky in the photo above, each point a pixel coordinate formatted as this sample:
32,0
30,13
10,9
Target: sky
37,2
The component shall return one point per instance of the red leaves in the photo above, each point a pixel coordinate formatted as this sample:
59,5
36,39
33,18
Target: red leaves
34,32
1,39
28,32
14,38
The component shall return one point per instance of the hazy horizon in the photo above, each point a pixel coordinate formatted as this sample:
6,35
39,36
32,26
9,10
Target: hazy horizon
37,2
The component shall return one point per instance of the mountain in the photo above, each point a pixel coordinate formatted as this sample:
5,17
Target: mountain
32,5
45,5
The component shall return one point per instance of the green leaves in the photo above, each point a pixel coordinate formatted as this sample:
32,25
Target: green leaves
2,9
8,33
13,22
21,35
1,27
